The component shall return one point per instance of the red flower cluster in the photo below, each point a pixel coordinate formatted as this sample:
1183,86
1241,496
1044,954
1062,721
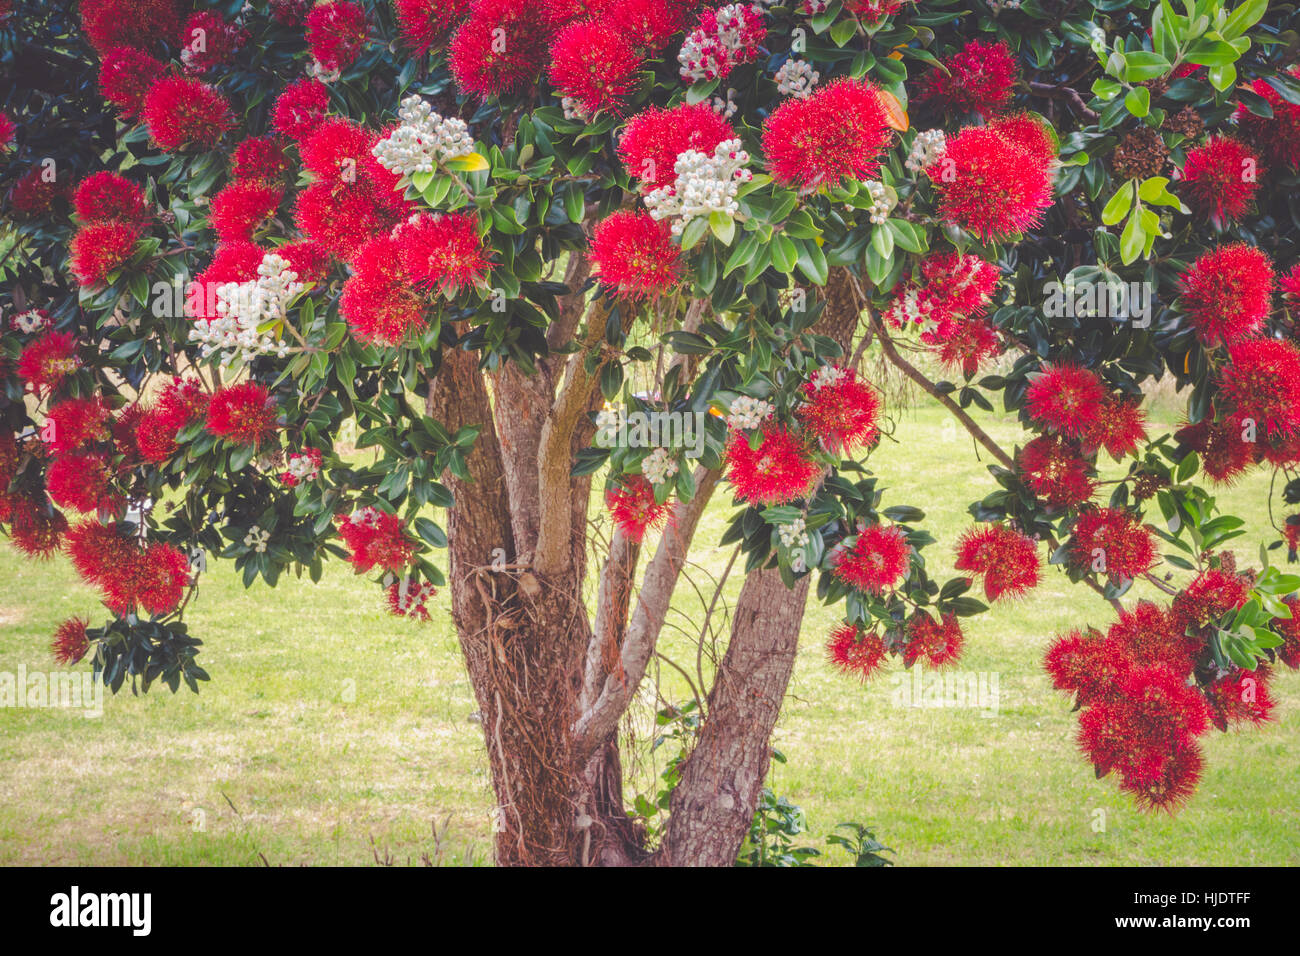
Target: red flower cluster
379,300
632,505
654,138
45,362
840,410
35,528
442,252
1006,559
996,180
135,23
1210,595
1227,293
1053,469
409,598
1225,453
130,575
1277,135
181,402
837,132
779,470
1221,178
938,642
594,63
336,34
425,24
1119,427
977,78
501,48
97,250
649,23
243,414
855,652
113,215
1113,542
75,422
183,112
35,193
300,109
83,481
1065,398
209,40
259,159
1261,382
376,539
240,209
1240,697
634,254
876,561
70,643
125,77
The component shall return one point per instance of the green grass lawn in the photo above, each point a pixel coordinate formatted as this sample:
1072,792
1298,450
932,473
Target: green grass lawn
333,733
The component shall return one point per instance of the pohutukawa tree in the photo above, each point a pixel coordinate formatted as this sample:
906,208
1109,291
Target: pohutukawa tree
532,257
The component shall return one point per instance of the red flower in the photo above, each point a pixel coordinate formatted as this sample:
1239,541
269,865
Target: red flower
939,642
259,159
83,482
241,208
379,300
1225,454
1278,136
1262,383
1227,293
7,130
291,12
559,13
300,108
965,344
1146,634
125,77
1173,785
839,131
654,138
162,572
208,40
633,507
1209,596
1113,542
410,598
1065,398
855,652
650,24
840,409
1221,178
101,248
108,197
74,422
1081,664
337,149
243,414
634,253
136,23
376,539
181,402
776,472
336,33
1289,629
428,23
995,180
1006,559
877,560
1119,427
70,643
47,361
1053,470
977,78
182,112
501,48
342,218
232,262
36,529
309,261
442,252
36,192
594,63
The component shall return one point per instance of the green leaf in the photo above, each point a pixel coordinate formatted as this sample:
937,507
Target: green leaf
1119,204
1138,101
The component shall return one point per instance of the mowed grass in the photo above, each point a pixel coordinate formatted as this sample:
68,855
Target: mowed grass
332,733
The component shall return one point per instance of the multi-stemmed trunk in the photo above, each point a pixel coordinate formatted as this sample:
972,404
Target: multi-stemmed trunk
552,680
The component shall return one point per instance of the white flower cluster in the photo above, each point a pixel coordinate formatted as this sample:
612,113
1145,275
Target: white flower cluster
927,148
814,7
704,185
880,205
411,595
659,466
423,140
257,539
827,375
913,307
608,419
793,534
573,110
367,517
1004,4
746,412
705,56
303,467
726,108
796,78
33,320
243,307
